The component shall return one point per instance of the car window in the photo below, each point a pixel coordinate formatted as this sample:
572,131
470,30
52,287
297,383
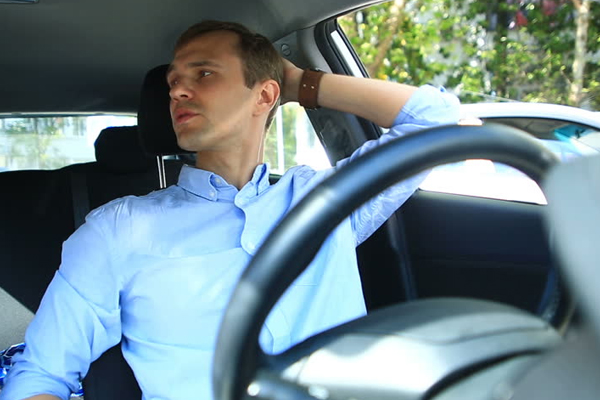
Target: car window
50,142
291,140
484,178
483,54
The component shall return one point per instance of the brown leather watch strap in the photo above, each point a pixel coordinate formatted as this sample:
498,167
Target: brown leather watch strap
309,88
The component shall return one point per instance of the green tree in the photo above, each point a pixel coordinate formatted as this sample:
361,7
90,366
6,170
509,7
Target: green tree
394,44
583,16
288,121
532,50
31,142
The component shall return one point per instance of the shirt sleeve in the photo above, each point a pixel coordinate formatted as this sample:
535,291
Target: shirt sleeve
78,319
428,107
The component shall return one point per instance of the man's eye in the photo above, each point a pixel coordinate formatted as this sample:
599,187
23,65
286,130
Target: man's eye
205,74
172,82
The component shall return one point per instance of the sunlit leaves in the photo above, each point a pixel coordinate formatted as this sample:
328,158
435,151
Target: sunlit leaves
521,50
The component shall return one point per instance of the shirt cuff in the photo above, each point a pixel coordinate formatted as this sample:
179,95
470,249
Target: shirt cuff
430,106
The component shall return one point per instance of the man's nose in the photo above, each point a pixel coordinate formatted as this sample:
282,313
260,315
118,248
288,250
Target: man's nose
179,90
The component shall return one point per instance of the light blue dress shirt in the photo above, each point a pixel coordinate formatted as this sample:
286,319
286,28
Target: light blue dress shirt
158,271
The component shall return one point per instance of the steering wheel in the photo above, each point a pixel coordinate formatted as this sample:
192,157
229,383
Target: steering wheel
473,334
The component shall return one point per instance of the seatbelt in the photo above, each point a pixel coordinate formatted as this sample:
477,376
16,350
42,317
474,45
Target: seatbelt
81,200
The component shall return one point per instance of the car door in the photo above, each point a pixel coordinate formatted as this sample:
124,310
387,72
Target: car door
441,243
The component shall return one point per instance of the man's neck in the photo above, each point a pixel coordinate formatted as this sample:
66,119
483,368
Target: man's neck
236,169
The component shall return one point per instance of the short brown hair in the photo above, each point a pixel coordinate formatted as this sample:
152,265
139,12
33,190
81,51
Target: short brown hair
260,60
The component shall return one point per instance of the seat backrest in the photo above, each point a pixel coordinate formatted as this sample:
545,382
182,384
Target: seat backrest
36,215
110,377
122,168
38,212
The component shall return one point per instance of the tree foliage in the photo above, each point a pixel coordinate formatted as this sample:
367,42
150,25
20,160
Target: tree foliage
499,49
288,121
30,143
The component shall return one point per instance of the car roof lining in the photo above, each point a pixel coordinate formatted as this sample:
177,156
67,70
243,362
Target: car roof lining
92,56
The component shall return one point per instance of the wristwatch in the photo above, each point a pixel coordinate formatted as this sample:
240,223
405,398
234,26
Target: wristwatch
309,88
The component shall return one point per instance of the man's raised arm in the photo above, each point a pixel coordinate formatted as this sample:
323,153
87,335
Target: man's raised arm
402,108
376,100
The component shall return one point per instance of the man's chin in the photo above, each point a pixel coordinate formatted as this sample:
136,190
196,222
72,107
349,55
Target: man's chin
186,145
188,140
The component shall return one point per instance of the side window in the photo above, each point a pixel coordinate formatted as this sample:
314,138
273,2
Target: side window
494,53
484,178
291,140
51,142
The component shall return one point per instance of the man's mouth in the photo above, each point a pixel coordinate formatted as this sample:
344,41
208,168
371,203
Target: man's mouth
183,115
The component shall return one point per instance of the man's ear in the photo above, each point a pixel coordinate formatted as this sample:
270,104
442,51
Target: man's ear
268,95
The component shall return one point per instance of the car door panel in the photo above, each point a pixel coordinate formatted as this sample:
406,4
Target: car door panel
477,247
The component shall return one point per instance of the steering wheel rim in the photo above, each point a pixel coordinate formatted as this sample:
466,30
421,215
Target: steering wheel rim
292,245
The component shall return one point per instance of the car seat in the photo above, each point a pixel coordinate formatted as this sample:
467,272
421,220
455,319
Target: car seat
110,377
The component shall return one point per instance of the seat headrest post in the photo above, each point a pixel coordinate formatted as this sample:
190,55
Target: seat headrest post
162,175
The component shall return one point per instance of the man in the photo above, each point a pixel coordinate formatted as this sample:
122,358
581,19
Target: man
157,271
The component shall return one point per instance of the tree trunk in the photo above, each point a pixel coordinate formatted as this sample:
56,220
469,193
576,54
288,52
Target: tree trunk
582,22
385,45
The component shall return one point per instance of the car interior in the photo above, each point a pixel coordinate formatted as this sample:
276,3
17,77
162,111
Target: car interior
464,294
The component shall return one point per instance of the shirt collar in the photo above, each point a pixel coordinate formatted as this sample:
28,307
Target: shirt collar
260,178
212,187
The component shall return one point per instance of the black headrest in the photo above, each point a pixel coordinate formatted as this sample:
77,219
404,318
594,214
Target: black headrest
154,120
118,149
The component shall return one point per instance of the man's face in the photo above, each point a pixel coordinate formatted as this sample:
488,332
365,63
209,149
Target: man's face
211,105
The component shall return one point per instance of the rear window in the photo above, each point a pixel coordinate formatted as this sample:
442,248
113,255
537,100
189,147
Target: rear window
50,142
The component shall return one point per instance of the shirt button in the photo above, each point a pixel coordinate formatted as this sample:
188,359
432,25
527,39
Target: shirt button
218,181
251,246
211,194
